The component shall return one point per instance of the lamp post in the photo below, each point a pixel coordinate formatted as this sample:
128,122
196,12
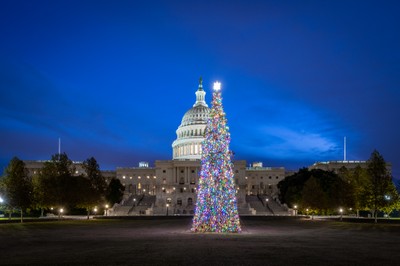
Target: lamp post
95,211
60,212
167,208
266,203
106,209
295,210
134,202
341,214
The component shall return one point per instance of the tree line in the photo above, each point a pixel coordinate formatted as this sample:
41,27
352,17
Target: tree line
57,186
347,190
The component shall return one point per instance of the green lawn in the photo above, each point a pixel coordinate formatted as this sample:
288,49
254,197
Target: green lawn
168,241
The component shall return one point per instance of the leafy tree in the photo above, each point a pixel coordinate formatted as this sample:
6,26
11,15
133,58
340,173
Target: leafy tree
93,172
313,197
291,187
18,186
357,185
380,185
53,184
335,191
88,196
115,191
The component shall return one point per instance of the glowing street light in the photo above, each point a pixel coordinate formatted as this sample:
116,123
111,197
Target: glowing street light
106,209
295,210
341,214
167,208
217,86
60,212
1,200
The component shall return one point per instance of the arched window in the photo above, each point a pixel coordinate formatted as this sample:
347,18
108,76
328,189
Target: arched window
190,201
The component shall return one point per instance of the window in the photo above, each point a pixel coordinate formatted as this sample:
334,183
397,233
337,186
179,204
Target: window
192,171
163,171
190,201
169,200
181,180
181,171
270,177
277,177
237,171
179,202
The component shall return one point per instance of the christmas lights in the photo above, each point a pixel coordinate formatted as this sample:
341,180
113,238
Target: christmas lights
216,207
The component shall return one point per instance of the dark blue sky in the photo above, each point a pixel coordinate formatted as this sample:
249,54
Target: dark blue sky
113,79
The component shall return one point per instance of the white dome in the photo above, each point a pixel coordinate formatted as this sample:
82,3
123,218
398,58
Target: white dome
196,116
190,133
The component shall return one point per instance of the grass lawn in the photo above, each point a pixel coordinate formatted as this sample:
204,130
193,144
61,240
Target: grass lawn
168,241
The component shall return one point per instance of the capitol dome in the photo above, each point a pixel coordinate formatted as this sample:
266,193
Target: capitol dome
190,133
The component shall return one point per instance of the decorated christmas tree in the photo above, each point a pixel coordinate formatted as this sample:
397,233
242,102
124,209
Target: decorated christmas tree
216,208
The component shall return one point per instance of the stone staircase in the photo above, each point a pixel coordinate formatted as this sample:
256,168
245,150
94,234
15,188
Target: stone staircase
134,205
274,206
258,205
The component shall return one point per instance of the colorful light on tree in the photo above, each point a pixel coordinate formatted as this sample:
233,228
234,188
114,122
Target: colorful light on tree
216,207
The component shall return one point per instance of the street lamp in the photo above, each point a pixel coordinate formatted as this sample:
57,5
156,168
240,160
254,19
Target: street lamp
60,212
295,210
134,201
1,200
167,208
106,209
95,210
341,214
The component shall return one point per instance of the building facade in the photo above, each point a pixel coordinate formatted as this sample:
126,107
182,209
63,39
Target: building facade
171,184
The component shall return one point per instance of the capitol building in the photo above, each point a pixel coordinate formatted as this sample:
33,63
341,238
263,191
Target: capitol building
169,188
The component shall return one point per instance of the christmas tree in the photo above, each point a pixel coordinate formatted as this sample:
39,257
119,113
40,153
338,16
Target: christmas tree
216,208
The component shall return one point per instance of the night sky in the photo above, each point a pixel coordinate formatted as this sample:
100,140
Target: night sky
113,79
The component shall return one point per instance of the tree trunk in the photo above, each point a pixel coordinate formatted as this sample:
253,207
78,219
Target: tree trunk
88,212
376,216
22,217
